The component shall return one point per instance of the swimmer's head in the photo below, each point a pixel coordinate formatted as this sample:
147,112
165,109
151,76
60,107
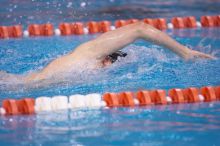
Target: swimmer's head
113,57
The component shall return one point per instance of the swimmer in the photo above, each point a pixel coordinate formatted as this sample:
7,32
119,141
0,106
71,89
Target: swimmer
104,50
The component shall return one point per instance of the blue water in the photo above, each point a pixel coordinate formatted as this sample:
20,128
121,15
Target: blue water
147,66
192,124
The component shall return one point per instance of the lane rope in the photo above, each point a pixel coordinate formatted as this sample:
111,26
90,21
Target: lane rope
123,99
92,27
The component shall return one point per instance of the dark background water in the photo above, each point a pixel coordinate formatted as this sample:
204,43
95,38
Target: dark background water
56,11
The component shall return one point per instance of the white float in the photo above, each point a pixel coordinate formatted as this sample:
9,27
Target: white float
201,97
26,33
59,102
170,25
77,101
112,27
2,111
198,24
86,31
93,100
43,104
169,99
57,32
136,102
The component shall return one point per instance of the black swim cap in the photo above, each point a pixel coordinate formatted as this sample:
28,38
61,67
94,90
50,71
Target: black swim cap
114,56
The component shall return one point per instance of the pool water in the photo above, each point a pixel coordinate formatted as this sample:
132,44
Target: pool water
188,124
147,66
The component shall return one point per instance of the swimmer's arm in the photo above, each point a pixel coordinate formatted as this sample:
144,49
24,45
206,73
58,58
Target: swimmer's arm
160,38
58,65
64,63
112,41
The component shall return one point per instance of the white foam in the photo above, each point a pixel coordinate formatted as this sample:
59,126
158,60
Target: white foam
83,4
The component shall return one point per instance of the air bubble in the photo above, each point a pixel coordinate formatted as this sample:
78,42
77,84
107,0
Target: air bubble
83,4
69,4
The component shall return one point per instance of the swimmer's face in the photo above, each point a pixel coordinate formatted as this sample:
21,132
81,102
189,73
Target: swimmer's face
112,58
106,62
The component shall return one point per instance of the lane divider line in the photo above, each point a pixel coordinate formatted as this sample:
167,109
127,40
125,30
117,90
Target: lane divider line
92,27
123,99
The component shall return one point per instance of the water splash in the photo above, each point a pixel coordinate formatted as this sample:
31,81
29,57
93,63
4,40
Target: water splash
136,54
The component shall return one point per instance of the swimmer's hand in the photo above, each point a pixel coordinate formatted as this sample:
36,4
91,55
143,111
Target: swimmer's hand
192,54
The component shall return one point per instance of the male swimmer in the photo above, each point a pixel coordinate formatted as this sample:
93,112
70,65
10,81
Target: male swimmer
96,53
